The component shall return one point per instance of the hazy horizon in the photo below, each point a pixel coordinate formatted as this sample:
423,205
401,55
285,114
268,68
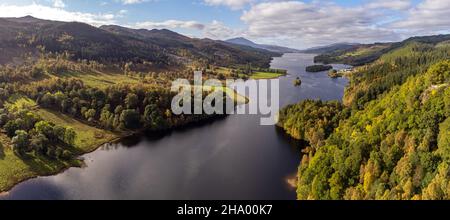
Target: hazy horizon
295,24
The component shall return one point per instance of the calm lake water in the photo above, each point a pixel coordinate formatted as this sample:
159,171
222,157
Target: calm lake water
232,158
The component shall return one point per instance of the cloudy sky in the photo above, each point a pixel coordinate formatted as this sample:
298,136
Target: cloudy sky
294,23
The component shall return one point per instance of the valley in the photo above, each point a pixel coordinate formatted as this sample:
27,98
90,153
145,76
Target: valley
186,164
65,78
85,113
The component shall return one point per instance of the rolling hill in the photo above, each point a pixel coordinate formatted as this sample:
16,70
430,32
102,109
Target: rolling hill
389,139
162,48
273,48
361,54
330,48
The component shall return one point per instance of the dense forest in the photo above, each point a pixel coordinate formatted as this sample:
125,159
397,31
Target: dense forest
361,54
54,109
163,49
118,107
393,68
355,55
390,139
312,120
29,133
68,87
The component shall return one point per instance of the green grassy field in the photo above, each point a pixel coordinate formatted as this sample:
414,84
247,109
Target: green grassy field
88,137
365,51
239,99
256,75
223,70
14,169
103,80
266,75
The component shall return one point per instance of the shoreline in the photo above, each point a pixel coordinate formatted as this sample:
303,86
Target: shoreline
120,136
5,192
274,77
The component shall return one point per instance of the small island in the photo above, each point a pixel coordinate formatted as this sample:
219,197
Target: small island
318,68
297,82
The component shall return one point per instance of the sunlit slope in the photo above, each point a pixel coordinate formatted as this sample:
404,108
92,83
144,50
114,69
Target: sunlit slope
397,147
392,69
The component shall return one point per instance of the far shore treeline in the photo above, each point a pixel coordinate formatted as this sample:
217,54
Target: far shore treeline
318,68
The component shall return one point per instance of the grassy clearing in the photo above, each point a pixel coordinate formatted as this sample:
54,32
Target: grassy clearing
265,75
365,51
103,80
256,75
14,169
239,99
223,70
88,137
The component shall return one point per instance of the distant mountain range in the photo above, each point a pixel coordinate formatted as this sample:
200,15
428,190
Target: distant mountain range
330,48
273,48
360,54
279,49
163,48
22,37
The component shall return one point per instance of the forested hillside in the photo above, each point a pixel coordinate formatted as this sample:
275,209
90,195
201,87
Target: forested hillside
113,44
54,109
355,55
358,55
390,140
391,69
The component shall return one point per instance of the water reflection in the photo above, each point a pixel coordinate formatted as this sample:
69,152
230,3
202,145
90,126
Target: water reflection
232,158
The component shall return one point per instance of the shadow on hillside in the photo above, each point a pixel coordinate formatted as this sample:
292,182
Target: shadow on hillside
44,166
2,152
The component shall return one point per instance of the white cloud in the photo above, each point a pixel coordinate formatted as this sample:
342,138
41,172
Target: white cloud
170,24
215,30
218,30
233,4
131,2
428,17
390,4
121,13
53,13
292,23
316,23
59,4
